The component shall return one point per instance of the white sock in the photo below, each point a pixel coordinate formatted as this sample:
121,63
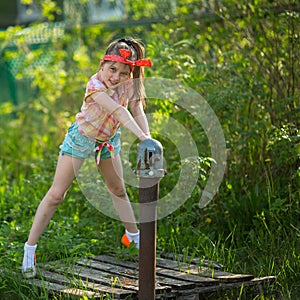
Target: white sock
134,237
28,261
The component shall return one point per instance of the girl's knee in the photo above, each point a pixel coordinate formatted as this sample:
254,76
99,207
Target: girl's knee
119,192
55,197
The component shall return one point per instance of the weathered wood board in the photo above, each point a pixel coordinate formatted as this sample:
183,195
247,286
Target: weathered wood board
106,277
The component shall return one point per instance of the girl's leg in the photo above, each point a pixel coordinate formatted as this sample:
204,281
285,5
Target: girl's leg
66,170
112,172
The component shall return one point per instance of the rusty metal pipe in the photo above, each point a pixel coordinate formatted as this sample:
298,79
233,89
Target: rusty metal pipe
148,196
149,169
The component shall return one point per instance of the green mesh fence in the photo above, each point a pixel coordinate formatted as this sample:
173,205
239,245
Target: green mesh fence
16,88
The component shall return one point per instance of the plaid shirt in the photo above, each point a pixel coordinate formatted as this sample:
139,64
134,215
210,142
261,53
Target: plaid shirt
93,121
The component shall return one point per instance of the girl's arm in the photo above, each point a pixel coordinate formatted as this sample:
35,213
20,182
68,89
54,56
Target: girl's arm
137,110
120,113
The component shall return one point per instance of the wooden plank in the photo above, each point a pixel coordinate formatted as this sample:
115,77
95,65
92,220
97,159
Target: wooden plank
202,271
117,293
172,274
195,261
132,272
177,280
182,267
268,280
197,280
212,291
115,261
264,280
87,273
94,276
56,288
105,275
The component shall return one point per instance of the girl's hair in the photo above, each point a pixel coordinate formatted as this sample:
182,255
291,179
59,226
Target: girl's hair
137,51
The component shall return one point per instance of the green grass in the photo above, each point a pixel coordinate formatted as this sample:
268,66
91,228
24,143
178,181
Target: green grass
254,232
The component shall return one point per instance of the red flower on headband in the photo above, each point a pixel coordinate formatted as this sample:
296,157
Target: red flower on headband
125,53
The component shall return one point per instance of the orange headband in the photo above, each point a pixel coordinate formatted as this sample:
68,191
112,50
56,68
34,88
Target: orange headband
125,53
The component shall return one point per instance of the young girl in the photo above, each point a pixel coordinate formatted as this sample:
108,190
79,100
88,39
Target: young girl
117,84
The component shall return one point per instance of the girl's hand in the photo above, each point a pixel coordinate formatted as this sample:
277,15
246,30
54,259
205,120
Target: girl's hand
145,137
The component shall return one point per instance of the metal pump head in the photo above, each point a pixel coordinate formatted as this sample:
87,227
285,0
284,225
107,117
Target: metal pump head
150,159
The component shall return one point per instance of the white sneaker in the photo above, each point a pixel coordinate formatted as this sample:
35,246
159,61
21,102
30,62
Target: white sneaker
129,238
29,272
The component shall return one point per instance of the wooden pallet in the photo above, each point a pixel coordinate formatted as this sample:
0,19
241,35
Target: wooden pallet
105,277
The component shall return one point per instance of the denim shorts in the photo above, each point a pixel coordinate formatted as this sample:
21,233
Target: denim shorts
77,145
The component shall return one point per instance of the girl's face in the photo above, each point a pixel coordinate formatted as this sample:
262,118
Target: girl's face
112,73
